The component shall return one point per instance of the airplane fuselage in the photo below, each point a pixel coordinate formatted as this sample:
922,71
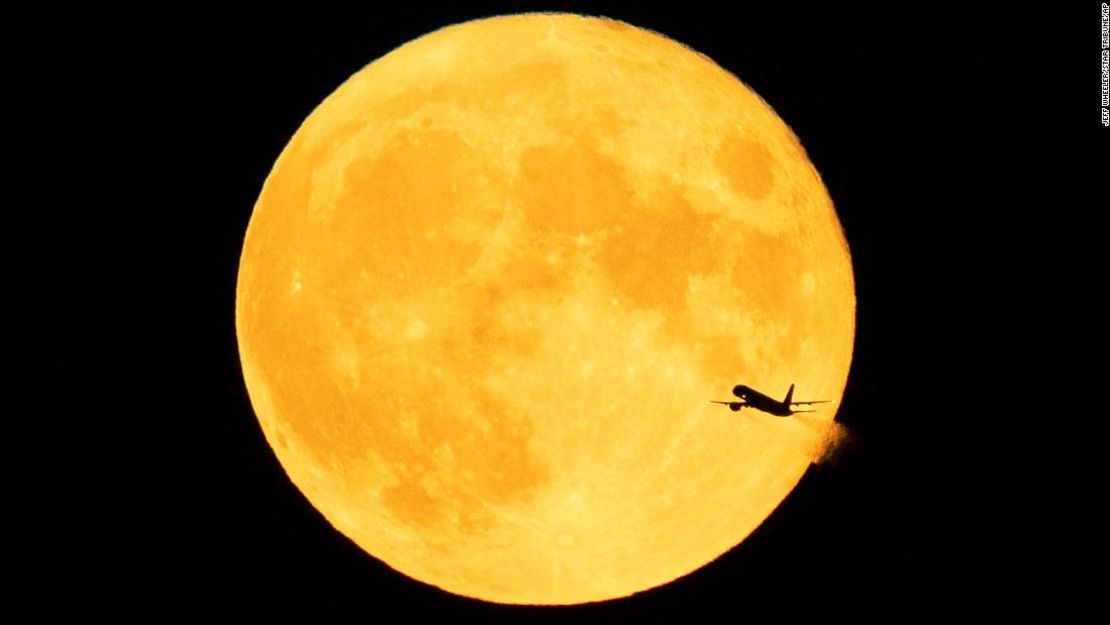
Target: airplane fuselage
759,401
752,398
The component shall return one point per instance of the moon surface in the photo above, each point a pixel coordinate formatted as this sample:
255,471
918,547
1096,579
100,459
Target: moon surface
492,282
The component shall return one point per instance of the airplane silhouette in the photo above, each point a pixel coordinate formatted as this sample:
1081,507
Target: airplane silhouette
754,399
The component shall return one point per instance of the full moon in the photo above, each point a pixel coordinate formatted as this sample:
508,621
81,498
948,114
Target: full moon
494,279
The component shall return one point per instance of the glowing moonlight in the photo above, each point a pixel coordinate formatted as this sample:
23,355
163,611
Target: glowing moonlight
491,283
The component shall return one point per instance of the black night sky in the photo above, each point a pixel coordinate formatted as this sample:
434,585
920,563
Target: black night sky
960,146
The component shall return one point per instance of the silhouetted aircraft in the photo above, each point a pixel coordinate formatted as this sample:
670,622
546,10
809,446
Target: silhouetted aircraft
754,399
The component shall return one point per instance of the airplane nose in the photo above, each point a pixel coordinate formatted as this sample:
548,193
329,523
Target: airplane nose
738,390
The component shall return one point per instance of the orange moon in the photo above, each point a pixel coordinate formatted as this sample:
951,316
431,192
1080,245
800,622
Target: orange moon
492,282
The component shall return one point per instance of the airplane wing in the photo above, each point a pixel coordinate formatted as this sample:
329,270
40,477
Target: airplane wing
740,403
806,403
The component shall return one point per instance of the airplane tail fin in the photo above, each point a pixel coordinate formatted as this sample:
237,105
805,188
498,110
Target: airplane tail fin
789,396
